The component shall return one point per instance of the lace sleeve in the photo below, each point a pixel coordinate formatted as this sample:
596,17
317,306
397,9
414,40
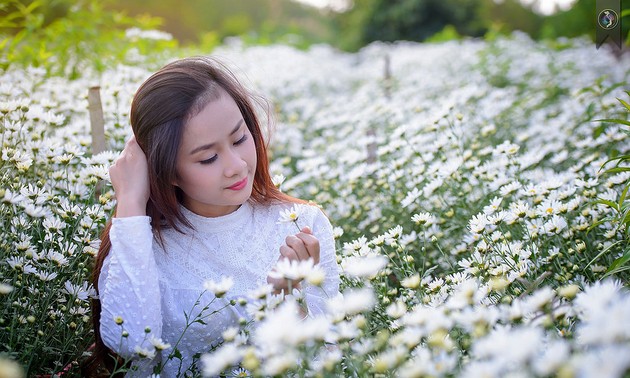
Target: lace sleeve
316,297
129,288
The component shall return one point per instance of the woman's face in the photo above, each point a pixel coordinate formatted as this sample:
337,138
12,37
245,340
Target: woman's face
216,160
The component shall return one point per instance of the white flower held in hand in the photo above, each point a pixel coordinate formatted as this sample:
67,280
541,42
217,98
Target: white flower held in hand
295,270
291,215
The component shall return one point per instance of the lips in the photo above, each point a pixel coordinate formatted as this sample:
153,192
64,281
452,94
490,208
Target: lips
239,185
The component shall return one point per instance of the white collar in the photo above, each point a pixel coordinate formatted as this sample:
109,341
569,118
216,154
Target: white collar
226,222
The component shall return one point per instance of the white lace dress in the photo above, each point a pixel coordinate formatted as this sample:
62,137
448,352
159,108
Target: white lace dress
151,287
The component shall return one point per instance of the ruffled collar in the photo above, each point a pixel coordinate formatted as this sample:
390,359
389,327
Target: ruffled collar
227,222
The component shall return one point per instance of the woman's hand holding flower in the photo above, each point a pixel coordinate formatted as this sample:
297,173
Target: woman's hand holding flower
299,247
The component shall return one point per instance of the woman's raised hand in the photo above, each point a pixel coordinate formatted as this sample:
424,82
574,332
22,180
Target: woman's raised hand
301,246
130,179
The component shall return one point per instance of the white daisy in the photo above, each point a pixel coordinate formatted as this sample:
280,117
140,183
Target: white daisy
219,288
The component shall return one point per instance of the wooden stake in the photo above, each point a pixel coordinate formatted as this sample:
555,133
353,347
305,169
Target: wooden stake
96,120
387,76
371,131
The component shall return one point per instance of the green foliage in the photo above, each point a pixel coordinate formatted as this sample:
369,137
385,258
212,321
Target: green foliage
507,16
625,20
580,20
620,217
447,34
267,21
86,38
349,26
419,19
50,214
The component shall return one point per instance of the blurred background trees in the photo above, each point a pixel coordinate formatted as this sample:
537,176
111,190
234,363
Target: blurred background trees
32,31
419,20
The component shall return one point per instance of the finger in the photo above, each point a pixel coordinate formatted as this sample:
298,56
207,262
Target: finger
132,153
282,285
288,252
277,283
298,246
131,140
132,149
132,144
312,245
307,230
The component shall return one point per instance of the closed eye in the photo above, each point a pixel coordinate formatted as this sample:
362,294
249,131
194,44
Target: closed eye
215,157
211,160
240,141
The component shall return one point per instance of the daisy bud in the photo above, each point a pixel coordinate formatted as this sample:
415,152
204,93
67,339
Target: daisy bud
569,291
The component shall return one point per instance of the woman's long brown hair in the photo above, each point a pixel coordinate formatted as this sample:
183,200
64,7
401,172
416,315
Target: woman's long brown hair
159,111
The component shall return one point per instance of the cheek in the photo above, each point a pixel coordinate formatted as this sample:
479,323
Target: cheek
200,183
191,175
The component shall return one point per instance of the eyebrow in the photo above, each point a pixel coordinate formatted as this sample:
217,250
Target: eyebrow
210,145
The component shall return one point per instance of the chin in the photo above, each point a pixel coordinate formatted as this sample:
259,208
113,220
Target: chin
249,194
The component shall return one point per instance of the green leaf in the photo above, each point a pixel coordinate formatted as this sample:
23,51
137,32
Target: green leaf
599,130
609,203
623,196
619,270
624,103
602,253
611,88
618,265
7,21
625,12
601,221
620,158
613,120
177,354
617,170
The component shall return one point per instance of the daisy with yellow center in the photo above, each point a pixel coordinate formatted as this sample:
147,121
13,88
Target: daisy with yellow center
291,215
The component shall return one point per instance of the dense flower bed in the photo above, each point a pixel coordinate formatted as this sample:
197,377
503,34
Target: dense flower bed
476,228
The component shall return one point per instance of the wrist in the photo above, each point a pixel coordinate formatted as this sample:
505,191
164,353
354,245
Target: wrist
130,209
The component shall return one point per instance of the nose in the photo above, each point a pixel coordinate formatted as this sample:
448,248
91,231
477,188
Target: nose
234,164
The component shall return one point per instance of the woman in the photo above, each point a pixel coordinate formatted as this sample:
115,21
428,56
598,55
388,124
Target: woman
195,202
